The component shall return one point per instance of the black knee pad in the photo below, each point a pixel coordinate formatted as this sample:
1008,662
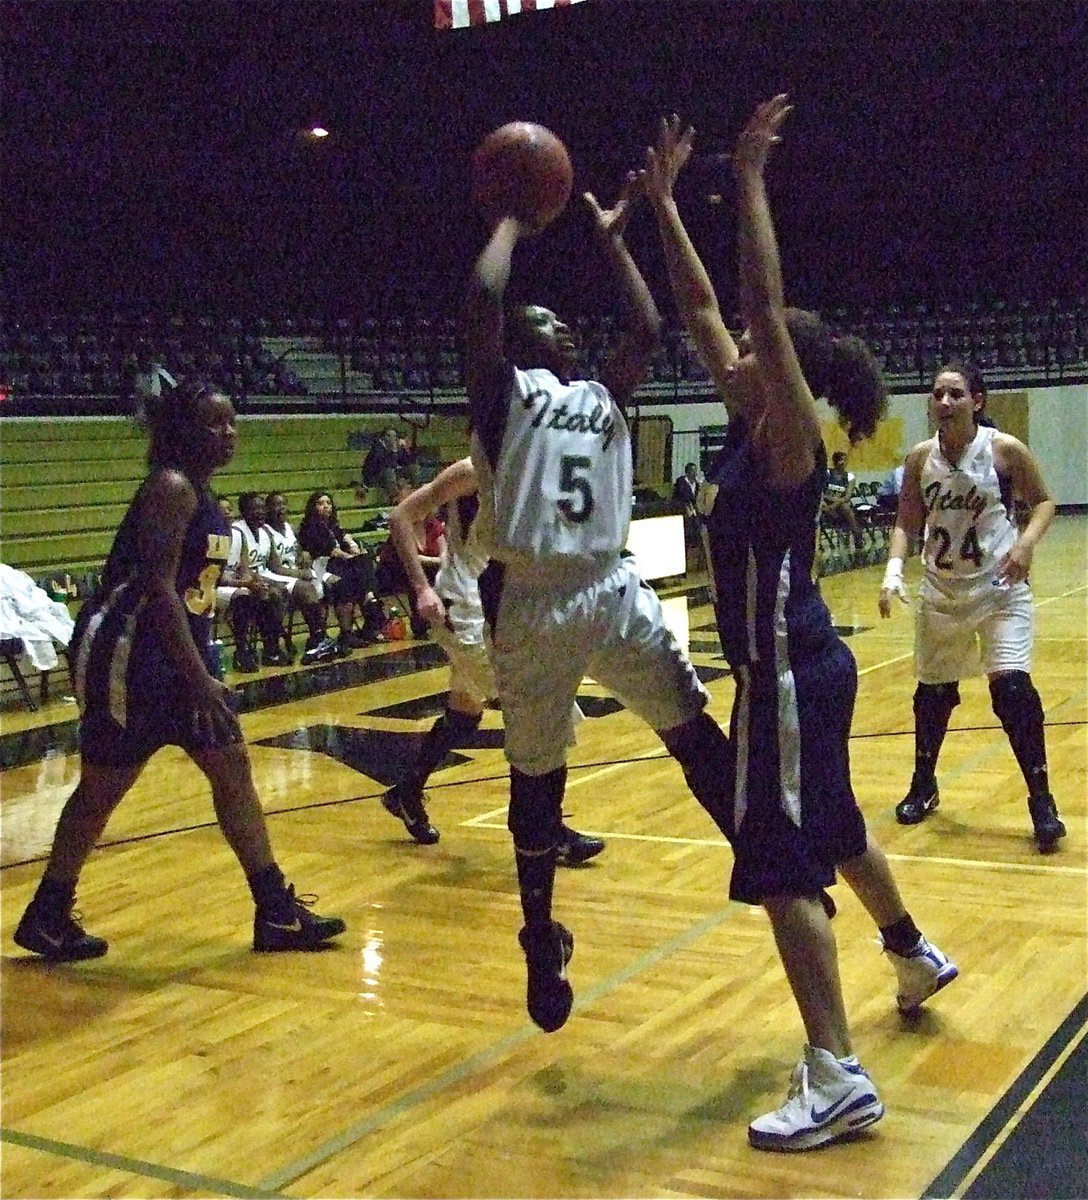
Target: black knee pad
535,816
934,702
1014,699
462,725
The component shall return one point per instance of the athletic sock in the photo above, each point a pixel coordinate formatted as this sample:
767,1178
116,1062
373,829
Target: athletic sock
268,886
900,937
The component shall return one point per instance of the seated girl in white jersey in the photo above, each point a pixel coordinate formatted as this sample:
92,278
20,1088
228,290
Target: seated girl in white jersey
452,610
796,821
140,655
552,456
975,611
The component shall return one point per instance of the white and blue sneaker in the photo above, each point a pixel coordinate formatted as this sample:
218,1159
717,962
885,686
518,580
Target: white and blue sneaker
829,1098
922,973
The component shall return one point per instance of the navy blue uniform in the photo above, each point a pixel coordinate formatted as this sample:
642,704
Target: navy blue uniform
131,698
794,815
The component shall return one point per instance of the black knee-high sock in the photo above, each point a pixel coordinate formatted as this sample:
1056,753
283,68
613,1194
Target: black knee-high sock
708,760
534,819
241,619
933,705
314,616
1017,706
54,895
451,729
270,623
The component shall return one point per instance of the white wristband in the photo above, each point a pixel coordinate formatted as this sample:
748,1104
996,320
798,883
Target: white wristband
893,575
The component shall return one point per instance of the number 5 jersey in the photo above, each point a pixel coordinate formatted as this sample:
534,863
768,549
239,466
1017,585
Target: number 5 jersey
555,481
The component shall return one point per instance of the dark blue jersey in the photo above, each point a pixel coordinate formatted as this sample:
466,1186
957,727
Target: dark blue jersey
794,814
119,657
763,542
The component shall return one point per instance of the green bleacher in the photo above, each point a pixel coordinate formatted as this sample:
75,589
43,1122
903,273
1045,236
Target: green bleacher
65,482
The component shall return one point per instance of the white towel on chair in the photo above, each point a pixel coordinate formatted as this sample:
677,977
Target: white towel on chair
27,612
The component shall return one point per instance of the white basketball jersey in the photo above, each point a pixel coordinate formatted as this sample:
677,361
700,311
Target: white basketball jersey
248,548
968,527
463,561
561,486
285,545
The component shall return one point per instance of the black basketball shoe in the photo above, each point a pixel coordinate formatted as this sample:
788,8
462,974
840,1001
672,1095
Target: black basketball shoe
549,996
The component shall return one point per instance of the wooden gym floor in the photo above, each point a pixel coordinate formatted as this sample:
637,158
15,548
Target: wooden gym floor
402,1063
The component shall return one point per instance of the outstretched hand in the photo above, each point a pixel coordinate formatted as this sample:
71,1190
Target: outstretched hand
761,133
666,158
611,223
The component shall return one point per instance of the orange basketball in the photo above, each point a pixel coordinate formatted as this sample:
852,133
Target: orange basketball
522,170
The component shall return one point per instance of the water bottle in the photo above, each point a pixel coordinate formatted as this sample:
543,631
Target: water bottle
215,659
394,627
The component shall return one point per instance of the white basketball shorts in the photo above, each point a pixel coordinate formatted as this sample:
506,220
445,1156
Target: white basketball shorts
555,628
990,631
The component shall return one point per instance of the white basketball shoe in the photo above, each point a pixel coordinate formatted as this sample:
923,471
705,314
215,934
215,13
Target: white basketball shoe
922,973
828,1099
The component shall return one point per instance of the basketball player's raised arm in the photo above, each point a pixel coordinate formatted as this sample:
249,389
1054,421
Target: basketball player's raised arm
626,367
485,364
691,286
792,427
448,485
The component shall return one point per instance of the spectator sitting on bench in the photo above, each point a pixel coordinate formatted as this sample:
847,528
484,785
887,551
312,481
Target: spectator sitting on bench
838,491
292,568
258,598
389,458
350,577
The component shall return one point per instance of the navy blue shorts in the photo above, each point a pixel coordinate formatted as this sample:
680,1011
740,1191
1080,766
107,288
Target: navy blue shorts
105,743
797,818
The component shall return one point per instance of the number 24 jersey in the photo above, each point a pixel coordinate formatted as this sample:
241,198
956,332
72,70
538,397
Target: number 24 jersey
969,526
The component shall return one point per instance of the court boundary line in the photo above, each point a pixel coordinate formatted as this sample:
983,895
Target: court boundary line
141,1168
1016,1101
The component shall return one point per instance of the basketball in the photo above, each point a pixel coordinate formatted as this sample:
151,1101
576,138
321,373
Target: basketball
522,170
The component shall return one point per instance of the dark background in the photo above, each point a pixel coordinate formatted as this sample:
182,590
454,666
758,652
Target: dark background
153,157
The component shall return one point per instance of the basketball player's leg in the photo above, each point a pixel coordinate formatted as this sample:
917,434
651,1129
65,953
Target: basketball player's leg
921,968
826,689
112,760
539,660
282,921
838,1097
933,704
944,652
643,665
778,866
1006,640
472,682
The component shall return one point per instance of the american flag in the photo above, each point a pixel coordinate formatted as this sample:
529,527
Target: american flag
459,14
